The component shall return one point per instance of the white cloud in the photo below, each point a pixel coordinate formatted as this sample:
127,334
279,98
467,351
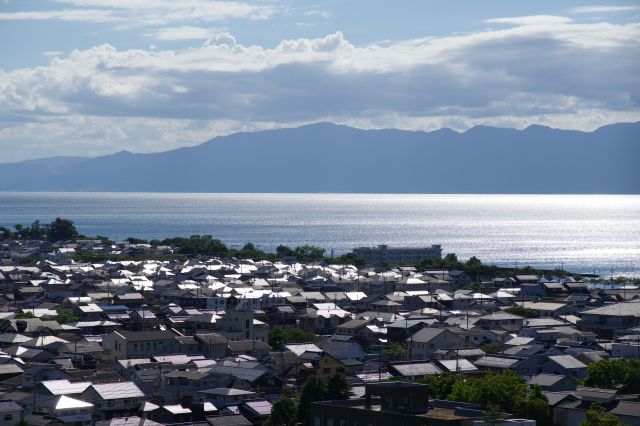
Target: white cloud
148,12
603,9
549,71
184,32
52,53
220,39
80,15
320,13
531,20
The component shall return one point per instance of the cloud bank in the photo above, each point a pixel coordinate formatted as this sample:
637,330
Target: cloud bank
522,70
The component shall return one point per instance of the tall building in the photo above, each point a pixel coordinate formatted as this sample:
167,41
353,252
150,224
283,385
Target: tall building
397,403
397,255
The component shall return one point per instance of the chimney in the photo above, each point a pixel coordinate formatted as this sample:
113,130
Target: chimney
21,325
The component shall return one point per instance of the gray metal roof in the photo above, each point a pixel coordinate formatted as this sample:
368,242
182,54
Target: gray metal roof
496,361
65,387
617,309
416,369
627,408
118,390
567,361
545,379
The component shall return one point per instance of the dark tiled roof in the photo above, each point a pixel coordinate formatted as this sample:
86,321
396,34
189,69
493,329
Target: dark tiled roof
545,379
627,408
143,336
237,420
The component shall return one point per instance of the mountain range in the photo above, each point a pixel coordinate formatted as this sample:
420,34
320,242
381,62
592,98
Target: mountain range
325,157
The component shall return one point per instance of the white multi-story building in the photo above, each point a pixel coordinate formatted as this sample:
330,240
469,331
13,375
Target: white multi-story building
397,255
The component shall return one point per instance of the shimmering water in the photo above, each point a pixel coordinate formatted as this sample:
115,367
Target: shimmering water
585,233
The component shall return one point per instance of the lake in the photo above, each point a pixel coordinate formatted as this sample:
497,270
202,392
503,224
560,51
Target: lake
583,233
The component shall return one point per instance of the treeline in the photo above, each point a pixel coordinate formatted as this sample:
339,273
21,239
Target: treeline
278,337
622,374
187,247
57,230
477,270
207,245
495,393
296,410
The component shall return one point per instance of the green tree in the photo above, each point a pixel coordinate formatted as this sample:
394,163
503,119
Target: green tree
314,389
451,258
621,373
309,253
492,414
440,385
283,251
37,232
65,316
351,259
536,406
473,262
104,240
61,229
394,350
6,233
283,413
279,336
20,231
338,387
134,240
24,315
598,416
506,389
522,311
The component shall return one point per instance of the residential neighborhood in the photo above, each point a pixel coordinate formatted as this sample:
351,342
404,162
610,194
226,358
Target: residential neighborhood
220,341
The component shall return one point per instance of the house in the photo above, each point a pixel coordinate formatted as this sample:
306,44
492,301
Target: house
413,369
496,363
400,330
565,365
320,365
573,412
526,279
114,399
229,420
211,345
553,382
67,410
138,344
175,413
394,403
257,410
239,324
10,412
221,397
547,309
41,373
500,319
424,343
609,318
364,330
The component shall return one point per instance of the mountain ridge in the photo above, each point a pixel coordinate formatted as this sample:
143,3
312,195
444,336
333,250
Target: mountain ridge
326,157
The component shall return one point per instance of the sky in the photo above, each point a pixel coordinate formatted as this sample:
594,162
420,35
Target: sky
94,77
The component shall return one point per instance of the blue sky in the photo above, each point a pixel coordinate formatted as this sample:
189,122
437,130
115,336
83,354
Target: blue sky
92,77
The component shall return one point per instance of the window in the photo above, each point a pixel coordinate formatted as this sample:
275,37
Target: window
8,417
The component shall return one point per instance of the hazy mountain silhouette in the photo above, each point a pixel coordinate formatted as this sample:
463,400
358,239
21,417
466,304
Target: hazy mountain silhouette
331,158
